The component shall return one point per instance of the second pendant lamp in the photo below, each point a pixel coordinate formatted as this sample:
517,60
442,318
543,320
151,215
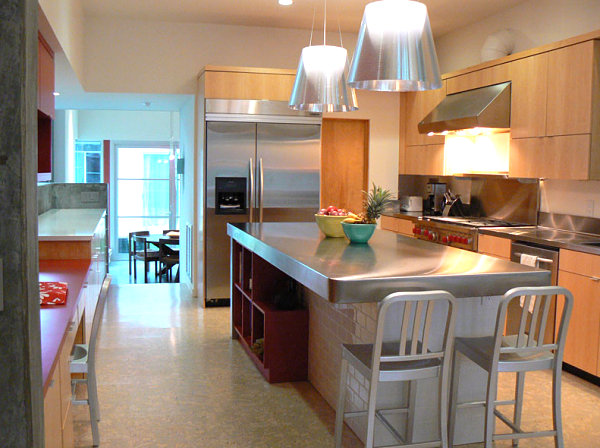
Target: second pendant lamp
321,82
395,50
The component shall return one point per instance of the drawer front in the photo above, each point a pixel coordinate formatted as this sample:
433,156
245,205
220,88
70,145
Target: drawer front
52,415
494,246
583,335
579,263
389,223
405,227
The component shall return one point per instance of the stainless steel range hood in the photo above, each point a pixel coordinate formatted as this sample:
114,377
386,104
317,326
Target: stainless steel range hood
486,108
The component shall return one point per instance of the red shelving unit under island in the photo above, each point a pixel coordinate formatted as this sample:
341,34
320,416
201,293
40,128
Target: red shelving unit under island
265,313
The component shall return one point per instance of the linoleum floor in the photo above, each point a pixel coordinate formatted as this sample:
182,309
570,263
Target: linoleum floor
169,375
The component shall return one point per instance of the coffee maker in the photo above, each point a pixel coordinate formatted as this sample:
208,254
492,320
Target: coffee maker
434,195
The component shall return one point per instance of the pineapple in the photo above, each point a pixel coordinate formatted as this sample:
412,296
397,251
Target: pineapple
376,202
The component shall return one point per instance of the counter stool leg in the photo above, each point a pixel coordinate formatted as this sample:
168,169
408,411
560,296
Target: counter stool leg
410,420
339,416
519,389
444,407
556,406
453,398
490,419
370,440
94,409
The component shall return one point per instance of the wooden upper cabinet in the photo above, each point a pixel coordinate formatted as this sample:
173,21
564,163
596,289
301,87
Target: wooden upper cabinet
424,159
45,77
571,75
418,105
344,163
479,78
248,83
528,96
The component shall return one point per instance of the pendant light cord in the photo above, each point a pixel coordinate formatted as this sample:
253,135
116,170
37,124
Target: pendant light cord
312,28
337,13
324,22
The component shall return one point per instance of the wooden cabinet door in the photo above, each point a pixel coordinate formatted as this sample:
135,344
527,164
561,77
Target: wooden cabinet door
480,78
418,105
424,159
583,336
562,157
570,84
344,163
52,413
248,86
528,96
45,78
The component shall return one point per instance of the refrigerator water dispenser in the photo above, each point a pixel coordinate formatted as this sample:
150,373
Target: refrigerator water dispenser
230,195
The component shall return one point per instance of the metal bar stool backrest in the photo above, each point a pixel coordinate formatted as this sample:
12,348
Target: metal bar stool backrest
98,313
415,331
533,317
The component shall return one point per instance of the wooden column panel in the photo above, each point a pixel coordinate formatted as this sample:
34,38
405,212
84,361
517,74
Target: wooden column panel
344,163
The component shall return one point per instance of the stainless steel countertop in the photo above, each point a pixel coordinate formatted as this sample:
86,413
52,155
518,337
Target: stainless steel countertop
562,239
354,273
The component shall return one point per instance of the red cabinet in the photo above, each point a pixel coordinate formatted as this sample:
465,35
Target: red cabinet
45,108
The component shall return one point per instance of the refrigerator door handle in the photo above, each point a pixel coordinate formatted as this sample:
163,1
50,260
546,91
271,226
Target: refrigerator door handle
251,178
261,188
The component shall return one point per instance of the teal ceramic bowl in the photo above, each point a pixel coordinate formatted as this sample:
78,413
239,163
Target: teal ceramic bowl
358,233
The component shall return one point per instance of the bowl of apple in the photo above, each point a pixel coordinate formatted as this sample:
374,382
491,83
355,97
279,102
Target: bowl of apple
330,220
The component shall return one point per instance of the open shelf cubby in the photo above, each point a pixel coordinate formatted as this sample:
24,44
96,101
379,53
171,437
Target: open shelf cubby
266,305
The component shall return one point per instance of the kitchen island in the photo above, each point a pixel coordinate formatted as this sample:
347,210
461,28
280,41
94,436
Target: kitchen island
342,284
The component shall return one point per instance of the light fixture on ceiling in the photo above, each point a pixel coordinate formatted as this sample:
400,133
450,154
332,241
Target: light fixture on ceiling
320,84
395,50
285,2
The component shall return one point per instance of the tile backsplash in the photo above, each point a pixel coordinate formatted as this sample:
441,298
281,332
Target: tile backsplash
54,195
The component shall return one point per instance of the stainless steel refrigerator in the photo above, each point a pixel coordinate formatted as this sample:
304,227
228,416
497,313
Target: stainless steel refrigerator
260,167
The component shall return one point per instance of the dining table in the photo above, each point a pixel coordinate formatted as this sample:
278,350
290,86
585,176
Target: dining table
154,239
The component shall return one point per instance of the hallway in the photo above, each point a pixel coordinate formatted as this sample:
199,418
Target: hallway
170,376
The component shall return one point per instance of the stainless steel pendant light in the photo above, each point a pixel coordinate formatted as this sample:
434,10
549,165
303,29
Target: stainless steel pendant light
320,84
395,50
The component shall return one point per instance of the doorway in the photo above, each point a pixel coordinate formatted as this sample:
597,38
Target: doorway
145,192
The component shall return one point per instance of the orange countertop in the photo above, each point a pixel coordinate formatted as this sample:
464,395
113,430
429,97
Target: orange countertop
55,320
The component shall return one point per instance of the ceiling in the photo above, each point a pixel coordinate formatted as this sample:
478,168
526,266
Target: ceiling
445,15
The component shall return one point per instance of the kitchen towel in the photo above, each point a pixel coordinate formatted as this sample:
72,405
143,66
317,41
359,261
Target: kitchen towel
53,293
529,260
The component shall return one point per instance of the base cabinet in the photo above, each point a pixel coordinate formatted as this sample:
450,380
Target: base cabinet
268,319
398,225
52,414
580,274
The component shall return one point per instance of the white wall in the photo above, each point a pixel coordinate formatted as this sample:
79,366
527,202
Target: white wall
164,57
66,21
382,109
186,144
581,198
127,125
535,22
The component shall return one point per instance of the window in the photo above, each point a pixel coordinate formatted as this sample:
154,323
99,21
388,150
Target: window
88,162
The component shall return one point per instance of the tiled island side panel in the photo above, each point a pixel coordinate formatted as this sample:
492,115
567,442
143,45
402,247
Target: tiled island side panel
331,325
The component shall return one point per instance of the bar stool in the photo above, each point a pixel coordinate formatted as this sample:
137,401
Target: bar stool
83,360
522,352
406,358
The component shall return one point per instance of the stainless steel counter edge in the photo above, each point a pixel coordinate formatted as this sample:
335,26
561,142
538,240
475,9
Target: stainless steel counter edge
487,276
577,244
409,216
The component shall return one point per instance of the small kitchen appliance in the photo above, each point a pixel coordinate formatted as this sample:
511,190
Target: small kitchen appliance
434,196
411,203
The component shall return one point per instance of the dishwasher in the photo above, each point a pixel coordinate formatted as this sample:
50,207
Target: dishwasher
546,257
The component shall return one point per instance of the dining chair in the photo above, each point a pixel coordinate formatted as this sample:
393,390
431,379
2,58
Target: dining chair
407,357
168,257
143,252
521,352
131,248
83,360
